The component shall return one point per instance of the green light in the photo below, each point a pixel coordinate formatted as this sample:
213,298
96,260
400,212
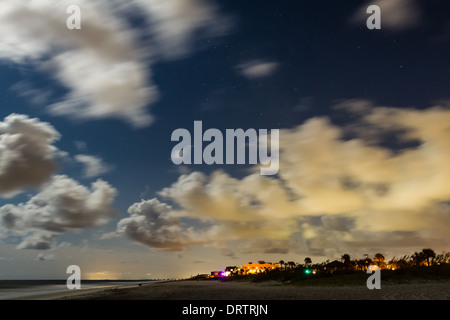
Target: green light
307,271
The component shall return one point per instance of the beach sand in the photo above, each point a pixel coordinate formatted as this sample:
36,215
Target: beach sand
236,290
63,294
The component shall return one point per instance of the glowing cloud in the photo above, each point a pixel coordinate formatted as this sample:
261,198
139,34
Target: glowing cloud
333,191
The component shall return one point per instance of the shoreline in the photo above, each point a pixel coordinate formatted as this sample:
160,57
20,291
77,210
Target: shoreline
66,293
237,290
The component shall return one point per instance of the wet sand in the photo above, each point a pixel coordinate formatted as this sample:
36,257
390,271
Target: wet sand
235,290
72,294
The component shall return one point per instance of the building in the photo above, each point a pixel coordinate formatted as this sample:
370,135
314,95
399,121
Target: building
260,267
216,274
336,265
230,271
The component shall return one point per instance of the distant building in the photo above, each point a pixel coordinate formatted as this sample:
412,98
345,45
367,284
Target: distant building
334,266
230,271
260,267
216,274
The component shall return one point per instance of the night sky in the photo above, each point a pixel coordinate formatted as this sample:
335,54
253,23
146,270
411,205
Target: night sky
86,175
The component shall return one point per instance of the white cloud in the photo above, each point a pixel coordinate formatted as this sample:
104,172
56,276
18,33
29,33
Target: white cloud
174,24
93,166
257,69
104,89
99,64
61,206
28,159
27,153
152,223
105,65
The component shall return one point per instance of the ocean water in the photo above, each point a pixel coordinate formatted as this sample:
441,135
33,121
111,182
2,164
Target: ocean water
13,289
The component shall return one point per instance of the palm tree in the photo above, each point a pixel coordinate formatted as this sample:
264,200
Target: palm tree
290,264
366,261
379,259
347,261
281,262
308,261
427,254
345,258
360,264
417,258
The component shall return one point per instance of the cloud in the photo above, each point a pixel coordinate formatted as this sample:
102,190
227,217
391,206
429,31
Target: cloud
28,159
91,63
80,145
106,65
336,189
174,24
38,241
396,15
36,97
152,223
27,153
223,197
104,89
93,166
333,175
110,235
61,206
263,245
257,69
44,257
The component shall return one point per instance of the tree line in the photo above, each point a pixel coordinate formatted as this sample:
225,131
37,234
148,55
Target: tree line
426,257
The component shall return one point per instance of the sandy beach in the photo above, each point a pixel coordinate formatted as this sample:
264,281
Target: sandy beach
235,290
85,290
